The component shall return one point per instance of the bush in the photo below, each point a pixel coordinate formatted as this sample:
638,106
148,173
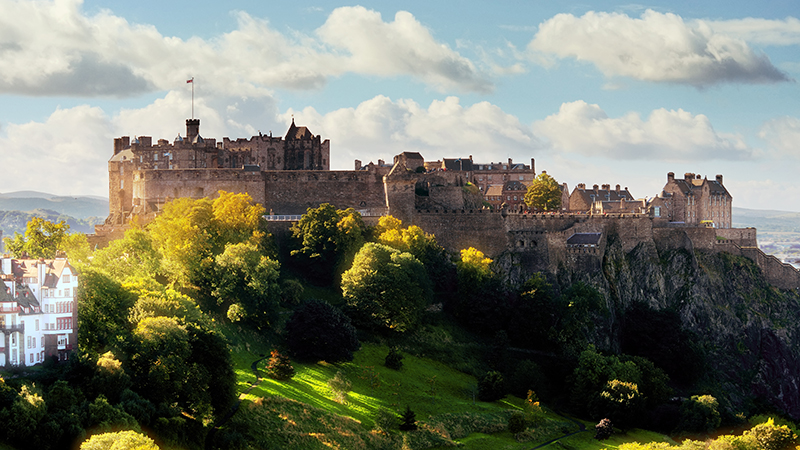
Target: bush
318,331
408,420
516,423
340,385
603,430
385,421
491,387
699,414
291,291
279,367
771,436
394,360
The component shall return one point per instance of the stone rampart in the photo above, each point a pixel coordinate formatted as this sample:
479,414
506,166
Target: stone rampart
744,237
293,192
158,186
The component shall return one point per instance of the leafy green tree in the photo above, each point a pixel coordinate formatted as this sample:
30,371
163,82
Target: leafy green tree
319,331
481,303
105,417
544,193
155,300
244,276
42,239
420,244
700,413
386,288
773,437
603,429
491,387
160,371
623,403
110,378
394,360
329,238
103,308
211,377
120,440
279,367
133,256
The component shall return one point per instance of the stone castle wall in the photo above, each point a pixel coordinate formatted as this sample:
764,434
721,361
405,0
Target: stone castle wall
293,192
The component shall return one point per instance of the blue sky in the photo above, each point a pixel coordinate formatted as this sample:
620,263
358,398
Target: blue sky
597,92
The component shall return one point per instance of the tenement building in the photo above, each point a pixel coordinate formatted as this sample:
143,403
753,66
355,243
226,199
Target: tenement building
38,317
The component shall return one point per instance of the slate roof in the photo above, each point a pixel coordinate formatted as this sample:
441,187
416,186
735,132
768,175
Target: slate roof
515,185
464,164
603,194
584,239
297,133
714,186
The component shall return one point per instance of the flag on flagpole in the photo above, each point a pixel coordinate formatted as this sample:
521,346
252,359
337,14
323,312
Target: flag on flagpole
190,81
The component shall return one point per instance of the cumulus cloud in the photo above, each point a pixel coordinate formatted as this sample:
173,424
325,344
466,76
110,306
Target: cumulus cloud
783,135
64,155
52,47
655,47
675,135
382,128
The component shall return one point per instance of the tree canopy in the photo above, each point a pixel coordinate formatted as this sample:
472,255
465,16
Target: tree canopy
386,287
42,239
319,331
544,193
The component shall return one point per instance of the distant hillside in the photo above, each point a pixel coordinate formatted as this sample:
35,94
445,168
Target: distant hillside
17,221
767,220
82,207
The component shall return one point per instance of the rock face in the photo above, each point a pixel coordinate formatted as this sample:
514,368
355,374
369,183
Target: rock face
745,331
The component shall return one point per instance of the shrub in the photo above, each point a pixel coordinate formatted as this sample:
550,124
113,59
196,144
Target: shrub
516,423
491,387
394,360
771,436
340,385
699,414
385,421
291,291
318,331
408,420
279,367
603,430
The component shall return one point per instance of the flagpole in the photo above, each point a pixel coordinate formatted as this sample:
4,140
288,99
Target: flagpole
191,81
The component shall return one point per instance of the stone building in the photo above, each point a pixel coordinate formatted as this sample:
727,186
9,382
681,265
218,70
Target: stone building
590,200
698,201
38,314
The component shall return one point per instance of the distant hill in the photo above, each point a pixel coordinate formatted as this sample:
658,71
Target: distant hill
17,221
767,220
80,207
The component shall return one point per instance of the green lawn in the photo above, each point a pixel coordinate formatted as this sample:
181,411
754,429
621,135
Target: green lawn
301,413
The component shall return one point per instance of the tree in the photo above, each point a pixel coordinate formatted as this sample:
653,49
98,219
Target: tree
319,331
772,437
394,360
279,367
386,288
622,402
42,239
159,361
103,308
544,193
120,440
133,256
408,420
491,387
246,277
700,413
481,303
328,240
603,429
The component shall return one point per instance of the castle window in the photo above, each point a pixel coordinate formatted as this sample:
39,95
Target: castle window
122,184
155,156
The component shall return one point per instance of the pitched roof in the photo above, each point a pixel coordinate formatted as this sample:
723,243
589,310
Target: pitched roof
298,133
591,195
464,164
495,189
514,185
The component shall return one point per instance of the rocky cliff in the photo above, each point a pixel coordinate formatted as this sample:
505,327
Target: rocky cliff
711,315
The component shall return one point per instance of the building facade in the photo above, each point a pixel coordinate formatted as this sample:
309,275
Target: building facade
698,201
38,314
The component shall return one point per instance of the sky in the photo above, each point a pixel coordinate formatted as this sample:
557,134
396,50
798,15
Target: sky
598,92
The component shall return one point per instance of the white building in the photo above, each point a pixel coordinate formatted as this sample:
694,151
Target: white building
38,314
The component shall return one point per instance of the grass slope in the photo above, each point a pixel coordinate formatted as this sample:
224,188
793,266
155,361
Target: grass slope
301,413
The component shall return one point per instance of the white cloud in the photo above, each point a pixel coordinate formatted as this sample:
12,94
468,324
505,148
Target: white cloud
656,47
52,47
382,128
783,135
65,155
761,31
666,135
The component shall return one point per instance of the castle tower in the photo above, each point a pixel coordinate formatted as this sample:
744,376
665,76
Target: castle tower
192,129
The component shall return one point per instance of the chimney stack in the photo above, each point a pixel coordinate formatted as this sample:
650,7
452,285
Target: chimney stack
719,179
533,166
617,188
670,176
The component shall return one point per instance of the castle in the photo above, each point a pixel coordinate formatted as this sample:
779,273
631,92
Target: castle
450,198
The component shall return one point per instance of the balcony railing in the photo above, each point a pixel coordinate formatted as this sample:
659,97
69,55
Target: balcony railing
18,328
